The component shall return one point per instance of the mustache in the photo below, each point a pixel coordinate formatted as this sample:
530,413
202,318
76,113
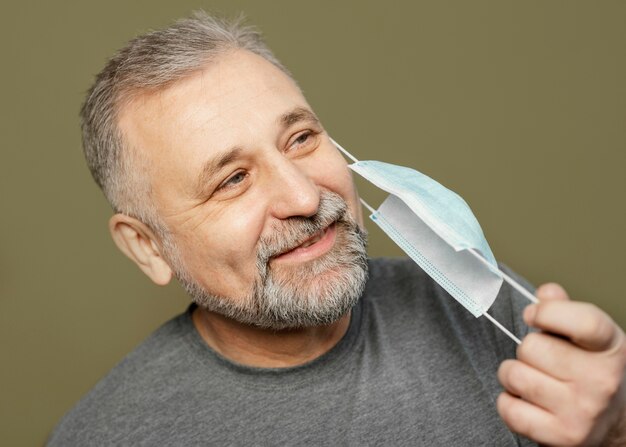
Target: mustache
292,232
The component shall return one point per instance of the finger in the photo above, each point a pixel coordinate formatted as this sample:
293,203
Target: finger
552,292
534,386
583,323
528,420
546,292
552,355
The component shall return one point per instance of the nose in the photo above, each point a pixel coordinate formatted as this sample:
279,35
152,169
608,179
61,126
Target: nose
292,191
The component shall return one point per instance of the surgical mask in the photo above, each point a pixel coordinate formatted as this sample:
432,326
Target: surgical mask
437,229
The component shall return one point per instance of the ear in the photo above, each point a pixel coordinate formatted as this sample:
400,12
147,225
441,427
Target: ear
139,243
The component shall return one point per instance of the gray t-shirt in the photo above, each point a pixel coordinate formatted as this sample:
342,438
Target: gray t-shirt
414,368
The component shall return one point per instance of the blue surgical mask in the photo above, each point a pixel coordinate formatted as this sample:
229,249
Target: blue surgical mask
437,229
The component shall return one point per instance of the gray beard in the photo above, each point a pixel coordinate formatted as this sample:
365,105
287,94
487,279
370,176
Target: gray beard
318,292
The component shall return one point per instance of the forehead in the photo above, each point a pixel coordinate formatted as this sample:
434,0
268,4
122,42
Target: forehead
232,101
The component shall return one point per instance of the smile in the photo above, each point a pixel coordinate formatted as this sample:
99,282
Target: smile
317,245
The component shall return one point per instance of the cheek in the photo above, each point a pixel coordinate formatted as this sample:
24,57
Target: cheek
332,173
241,229
221,253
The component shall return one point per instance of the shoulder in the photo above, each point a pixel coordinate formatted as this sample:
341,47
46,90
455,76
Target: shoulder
132,388
399,291
409,314
399,283
394,274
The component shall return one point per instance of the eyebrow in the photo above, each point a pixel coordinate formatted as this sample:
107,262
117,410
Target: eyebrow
296,115
213,166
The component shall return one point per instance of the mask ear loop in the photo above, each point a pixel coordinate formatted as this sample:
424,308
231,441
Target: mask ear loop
345,152
517,286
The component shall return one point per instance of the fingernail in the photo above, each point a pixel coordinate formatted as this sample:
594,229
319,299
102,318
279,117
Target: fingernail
529,314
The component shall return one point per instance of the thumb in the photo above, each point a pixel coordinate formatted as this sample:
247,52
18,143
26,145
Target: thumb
546,292
551,292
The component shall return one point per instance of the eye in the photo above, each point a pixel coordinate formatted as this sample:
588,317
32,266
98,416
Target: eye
303,140
234,180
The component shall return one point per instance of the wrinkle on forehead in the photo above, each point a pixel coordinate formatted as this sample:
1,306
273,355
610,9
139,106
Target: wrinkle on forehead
210,87
246,92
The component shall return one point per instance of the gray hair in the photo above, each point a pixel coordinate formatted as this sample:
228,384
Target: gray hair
150,62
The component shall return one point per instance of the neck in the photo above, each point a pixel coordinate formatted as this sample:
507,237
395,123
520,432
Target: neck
266,348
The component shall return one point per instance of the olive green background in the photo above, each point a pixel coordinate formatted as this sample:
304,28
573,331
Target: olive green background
518,106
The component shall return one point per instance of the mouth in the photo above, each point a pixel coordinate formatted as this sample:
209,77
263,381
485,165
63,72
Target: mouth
315,246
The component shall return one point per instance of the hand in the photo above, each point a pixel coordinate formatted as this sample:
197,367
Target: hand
567,385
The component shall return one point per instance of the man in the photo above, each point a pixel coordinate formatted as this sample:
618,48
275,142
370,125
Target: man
222,176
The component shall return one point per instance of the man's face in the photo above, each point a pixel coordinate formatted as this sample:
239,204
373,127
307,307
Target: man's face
242,174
